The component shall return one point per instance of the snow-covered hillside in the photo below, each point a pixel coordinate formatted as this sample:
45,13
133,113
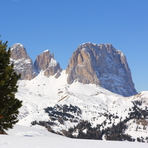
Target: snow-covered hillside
59,106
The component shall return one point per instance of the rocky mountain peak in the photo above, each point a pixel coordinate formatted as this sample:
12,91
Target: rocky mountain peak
102,65
46,62
22,62
24,65
18,51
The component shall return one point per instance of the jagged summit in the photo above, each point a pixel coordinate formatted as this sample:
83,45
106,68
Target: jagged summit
22,62
18,51
24,65
102,65
17,46
46,62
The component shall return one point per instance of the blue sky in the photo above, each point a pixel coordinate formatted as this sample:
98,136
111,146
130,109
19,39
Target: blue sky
62,25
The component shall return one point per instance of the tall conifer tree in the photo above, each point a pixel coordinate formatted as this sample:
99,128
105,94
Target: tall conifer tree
9,105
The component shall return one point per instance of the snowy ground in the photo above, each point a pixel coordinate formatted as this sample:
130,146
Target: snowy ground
42,92
38,137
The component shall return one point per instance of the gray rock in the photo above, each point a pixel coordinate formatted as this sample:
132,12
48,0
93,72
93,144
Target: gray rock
102,65
22,62
46,62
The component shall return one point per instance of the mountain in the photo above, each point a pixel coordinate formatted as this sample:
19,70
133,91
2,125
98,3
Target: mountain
46,62
102,65
85,111
29,70
76,102
22,62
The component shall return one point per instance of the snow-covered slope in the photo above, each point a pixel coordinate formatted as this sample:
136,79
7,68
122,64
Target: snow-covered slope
59,106
42,92
38,137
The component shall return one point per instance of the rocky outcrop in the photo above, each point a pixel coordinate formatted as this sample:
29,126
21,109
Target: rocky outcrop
46,62
102,65
22,63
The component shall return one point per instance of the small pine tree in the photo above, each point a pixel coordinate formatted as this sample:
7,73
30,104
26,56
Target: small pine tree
9,105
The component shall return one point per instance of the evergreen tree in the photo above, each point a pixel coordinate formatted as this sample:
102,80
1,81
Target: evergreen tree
9,105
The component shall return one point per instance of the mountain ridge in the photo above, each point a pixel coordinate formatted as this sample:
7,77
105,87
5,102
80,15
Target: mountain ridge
90,63
24,65
83,110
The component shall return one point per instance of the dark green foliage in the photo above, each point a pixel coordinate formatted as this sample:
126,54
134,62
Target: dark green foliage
9,105
116,132
138,113
90,132
63,113
84,129
119,137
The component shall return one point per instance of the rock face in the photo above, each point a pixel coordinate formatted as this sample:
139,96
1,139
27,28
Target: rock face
22,63
102,65
46,62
